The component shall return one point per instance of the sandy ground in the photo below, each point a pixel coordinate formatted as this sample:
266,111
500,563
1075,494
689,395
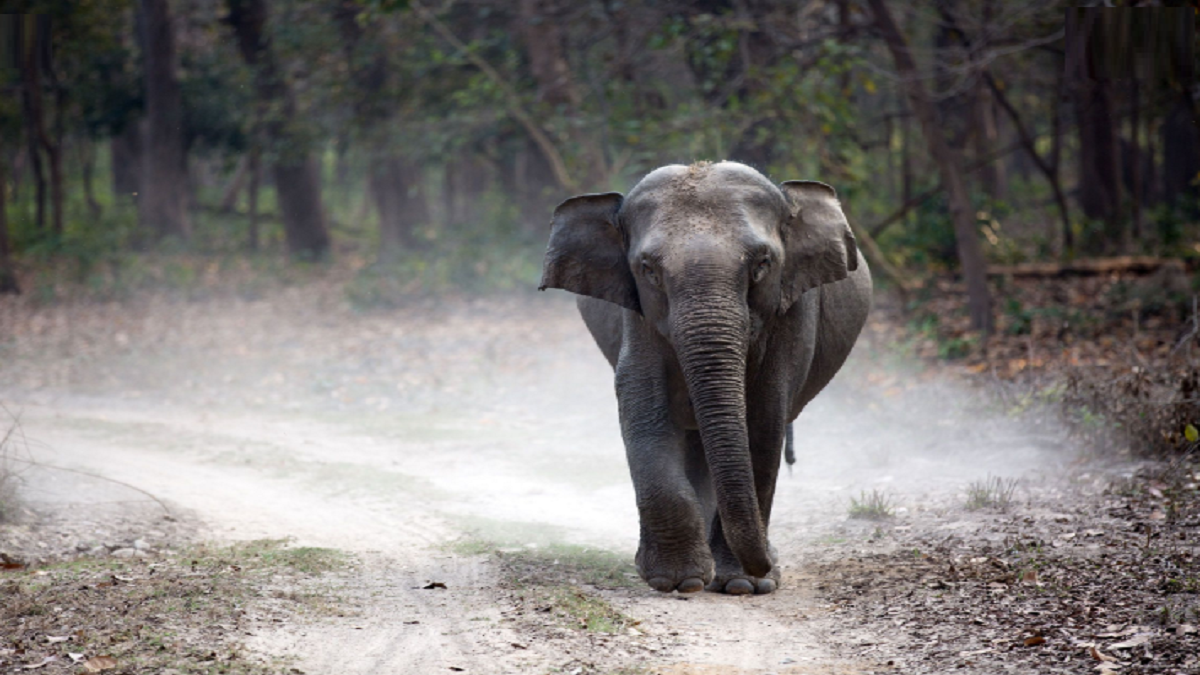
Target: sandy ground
395,435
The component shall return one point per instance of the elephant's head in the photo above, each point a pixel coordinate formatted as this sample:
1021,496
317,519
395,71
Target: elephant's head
708,255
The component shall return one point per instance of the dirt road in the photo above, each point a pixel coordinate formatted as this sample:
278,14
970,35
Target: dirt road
422,439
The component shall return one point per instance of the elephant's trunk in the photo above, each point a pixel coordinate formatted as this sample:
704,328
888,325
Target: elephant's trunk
710,337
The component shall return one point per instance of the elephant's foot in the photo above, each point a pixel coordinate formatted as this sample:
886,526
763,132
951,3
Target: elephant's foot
687,572
732,580
741,584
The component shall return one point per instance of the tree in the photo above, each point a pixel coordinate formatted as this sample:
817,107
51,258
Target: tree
34,54
8,275
394,181
162,200
970,253
297,178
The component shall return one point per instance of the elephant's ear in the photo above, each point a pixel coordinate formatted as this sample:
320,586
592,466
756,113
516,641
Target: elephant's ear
587,251
819,247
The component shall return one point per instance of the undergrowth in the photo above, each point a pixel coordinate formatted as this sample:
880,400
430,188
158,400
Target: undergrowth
873,505
992,492
180,614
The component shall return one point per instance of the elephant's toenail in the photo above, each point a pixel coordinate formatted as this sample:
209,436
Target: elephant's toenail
739,587
765,586
691,585
662,584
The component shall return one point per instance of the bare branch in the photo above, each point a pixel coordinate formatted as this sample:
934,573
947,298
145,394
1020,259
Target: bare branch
511,99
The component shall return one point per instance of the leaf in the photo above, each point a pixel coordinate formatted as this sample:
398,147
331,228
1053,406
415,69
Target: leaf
432,585
51,639
46,661
1101,656
1035,641
99,663
1191,433
1139,639
75,657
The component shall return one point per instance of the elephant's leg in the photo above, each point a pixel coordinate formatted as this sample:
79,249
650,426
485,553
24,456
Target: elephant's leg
767,432
672,552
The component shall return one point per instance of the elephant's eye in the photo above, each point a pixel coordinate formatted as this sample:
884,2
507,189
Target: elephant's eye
649,273
761,269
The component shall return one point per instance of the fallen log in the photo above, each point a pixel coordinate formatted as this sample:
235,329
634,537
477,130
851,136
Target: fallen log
1129,264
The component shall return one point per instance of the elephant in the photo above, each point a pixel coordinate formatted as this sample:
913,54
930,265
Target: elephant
724,304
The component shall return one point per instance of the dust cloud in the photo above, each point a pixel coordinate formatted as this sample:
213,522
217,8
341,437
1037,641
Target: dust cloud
496,416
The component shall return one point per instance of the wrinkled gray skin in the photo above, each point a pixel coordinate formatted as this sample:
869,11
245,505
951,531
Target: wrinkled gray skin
725,303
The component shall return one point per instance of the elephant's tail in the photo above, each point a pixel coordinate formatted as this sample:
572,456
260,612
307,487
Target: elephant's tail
789,448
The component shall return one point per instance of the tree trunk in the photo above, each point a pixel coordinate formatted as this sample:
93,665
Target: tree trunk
1055,163
394,183
255,169
8,276
545,45
547,56
296,174
162,203
1099,189
1099,155
397,187
301,209
32,107
54,151
467,181
1135,165
1181,150
970,253
233,188
992,175
87,160
125,156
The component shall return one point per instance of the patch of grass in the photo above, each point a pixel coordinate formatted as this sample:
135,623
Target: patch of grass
992,492
556,562
580,564
587,611
274,554
873,505
181,614
561,580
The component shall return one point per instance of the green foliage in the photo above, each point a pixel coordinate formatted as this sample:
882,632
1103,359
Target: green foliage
927,326
926,240
217,102
488,256
1020,318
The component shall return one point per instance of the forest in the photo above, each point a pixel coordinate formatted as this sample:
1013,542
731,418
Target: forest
431,141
